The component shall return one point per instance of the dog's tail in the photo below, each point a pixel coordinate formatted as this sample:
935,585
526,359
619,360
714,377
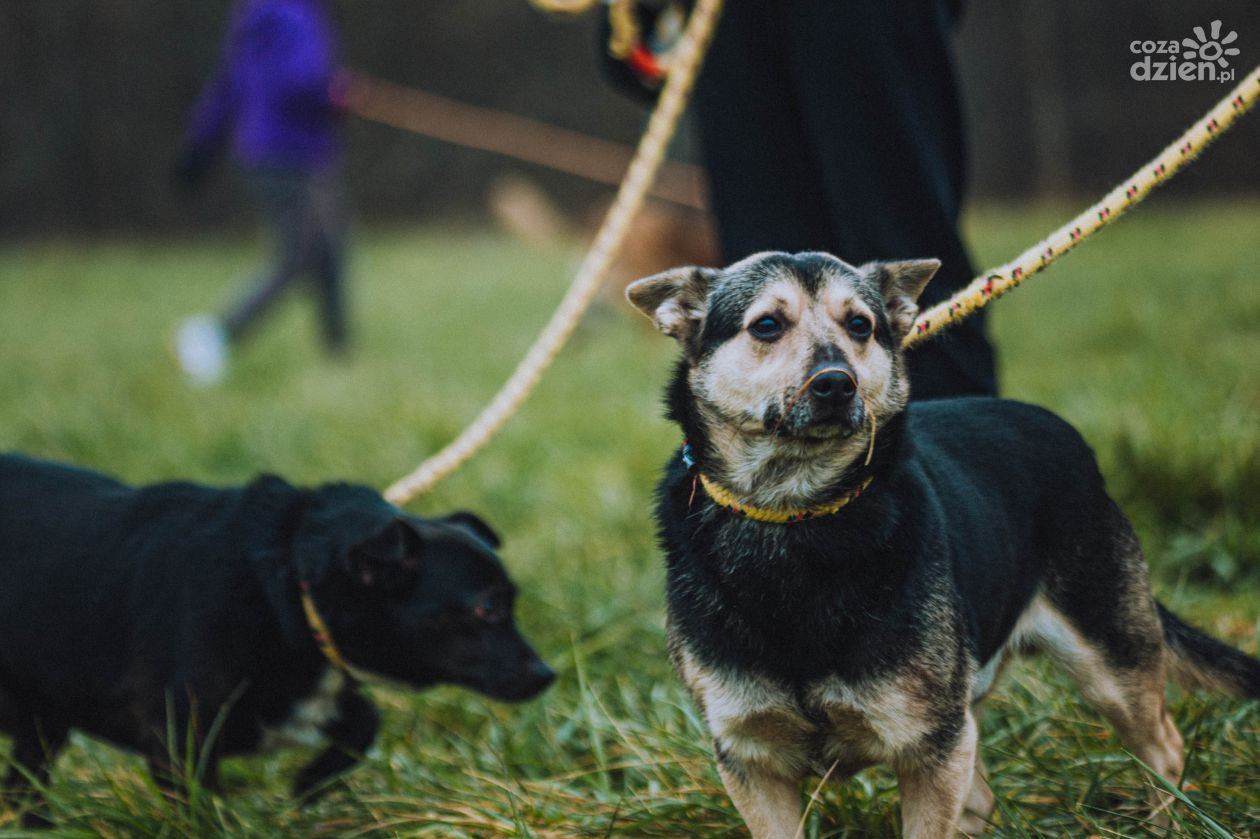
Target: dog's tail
1199,660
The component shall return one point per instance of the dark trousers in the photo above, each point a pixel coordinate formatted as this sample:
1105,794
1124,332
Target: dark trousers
835,125
305,219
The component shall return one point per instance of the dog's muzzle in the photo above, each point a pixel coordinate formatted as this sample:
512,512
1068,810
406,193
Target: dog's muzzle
833,395
832,386
826,405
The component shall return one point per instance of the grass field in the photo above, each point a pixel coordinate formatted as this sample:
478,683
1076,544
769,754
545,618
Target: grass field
1148,340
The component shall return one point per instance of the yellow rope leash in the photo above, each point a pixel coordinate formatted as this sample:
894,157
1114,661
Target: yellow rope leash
633,191
993,284
590,274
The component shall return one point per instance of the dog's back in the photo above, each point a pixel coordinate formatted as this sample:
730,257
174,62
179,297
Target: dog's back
58,531
1021,502
99,584
39,500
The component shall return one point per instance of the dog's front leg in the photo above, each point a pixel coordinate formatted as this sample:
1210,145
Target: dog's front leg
932,793
351,733
771,805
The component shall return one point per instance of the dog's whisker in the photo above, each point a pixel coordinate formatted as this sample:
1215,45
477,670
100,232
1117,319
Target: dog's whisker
870,415
870,449
783,412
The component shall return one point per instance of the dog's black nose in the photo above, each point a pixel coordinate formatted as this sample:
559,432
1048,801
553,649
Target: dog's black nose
832,383
538,676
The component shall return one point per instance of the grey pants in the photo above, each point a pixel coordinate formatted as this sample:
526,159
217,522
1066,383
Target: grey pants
304,215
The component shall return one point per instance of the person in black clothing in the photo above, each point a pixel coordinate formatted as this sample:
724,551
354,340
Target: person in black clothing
836,125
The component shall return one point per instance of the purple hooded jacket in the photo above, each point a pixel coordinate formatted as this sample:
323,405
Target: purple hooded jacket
270,93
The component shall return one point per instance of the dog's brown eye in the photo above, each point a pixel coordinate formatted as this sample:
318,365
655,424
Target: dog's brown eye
859,326
766,329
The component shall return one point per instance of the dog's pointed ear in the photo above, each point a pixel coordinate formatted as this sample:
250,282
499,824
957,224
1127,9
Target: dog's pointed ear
674,299
387,560
473,524
900,284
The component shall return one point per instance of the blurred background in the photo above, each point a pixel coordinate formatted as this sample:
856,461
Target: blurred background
1146,339
94,94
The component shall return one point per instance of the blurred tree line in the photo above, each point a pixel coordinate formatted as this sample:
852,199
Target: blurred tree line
94,94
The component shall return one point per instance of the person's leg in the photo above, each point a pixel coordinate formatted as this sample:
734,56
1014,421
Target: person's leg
764,185
328,221
875,86
283,202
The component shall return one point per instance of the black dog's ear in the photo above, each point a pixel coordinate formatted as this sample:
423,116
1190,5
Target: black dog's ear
474,525
387,560
900,284
674,300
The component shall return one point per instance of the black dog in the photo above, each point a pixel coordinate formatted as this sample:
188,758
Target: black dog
129,613
847,574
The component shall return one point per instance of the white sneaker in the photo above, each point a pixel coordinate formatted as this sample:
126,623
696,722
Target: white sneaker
202,349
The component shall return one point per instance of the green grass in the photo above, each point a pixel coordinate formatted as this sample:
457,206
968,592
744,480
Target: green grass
1146,339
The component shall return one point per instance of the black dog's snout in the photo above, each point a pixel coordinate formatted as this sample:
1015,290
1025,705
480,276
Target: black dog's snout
832,383
539,676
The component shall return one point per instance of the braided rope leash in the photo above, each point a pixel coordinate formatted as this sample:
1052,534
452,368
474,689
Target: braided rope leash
979,293
994,283
590,274
511,135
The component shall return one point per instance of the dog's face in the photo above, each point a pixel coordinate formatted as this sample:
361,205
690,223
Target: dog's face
800,347
415,600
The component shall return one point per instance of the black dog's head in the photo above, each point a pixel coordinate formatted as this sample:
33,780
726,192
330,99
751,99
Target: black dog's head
414,600
786,356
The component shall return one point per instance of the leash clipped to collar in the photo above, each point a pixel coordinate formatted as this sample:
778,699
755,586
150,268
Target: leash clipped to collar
319,630
723,497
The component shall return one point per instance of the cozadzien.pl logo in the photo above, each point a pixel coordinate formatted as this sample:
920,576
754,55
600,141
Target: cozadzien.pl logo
1205,57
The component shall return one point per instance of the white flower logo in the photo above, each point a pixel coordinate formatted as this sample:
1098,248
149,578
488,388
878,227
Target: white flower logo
1210,49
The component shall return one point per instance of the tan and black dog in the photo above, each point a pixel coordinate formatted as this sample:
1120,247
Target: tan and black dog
837,601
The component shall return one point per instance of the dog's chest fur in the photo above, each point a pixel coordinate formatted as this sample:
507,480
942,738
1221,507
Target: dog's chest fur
827,725
310,716
824,647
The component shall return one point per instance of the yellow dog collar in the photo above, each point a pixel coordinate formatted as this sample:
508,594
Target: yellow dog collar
319,630
725,498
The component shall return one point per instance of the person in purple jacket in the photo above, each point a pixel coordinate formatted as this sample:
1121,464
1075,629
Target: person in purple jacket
274,102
